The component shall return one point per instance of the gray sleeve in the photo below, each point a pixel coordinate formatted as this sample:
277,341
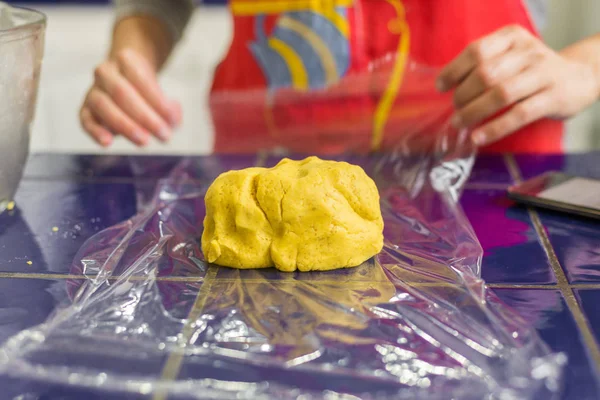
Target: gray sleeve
538,10
175,13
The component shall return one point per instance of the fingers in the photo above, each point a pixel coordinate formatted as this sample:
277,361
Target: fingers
129,100
137,71
114,119
99,133
475,54
507,70
522,114
126,99
492,73
500,97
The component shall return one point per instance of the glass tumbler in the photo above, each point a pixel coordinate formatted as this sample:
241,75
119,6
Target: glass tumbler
21,52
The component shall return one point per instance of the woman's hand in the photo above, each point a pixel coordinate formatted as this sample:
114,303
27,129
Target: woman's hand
126,100
513,70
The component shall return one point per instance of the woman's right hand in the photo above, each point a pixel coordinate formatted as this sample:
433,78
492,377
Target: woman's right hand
126,100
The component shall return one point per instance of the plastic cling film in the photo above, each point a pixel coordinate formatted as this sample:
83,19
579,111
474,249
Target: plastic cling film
358,114
151,317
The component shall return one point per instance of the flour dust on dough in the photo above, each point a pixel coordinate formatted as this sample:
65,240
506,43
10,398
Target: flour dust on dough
309,215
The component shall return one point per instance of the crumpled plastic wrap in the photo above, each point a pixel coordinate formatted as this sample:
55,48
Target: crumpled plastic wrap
414,322
150,316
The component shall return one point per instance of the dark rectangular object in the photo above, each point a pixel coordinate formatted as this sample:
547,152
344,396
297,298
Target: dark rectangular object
560,192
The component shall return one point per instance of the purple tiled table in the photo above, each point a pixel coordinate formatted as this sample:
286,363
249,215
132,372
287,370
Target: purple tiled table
544,265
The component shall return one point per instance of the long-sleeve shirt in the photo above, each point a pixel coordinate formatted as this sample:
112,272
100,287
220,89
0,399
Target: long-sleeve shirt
177,13
174,13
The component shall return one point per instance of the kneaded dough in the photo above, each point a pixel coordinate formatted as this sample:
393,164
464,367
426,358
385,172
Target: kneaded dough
309,215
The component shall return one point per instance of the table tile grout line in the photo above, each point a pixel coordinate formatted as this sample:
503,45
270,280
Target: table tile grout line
486,186
513,168
522,286
559,272
35,275
199,279
172,366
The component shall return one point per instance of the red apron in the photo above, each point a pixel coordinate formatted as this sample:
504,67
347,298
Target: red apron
322,76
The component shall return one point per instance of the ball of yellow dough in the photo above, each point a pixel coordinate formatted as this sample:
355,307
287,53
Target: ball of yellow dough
309,215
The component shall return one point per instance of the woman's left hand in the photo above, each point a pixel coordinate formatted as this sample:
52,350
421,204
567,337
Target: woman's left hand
512,69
